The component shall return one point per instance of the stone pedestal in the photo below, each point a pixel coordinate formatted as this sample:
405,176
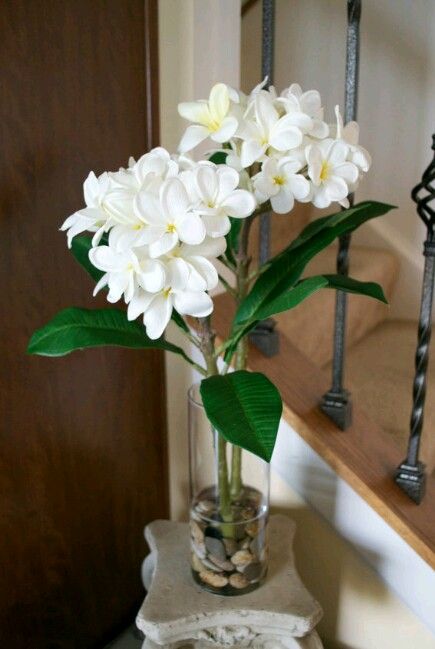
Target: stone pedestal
281,614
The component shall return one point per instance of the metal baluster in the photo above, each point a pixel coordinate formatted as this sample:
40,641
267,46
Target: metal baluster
336,403
264,336
410,475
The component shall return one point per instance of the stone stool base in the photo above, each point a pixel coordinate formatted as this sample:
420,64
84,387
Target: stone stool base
177,612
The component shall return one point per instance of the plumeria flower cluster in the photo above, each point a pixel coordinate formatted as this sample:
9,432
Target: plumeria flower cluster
160,224
158,227
281,145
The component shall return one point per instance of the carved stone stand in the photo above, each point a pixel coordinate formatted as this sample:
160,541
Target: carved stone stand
281,614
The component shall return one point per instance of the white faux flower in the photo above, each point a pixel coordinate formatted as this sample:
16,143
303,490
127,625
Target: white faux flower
211,118
331,174
157,307
213,190
169,217
280,181
305,110
264,128
350,134
202,275
94,217
126,271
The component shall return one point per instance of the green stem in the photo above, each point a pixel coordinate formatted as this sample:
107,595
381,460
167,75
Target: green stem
207,338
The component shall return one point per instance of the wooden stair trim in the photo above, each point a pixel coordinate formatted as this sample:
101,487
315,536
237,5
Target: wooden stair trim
364,455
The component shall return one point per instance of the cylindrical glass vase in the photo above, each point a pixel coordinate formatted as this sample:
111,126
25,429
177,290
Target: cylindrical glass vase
229,507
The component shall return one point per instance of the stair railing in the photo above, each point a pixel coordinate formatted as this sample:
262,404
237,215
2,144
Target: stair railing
336,403
410,475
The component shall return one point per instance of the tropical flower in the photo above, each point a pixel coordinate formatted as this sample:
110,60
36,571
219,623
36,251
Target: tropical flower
266,129
304,110
350,134
169,217
202,274
126,271
94,217
280,181
330,172
212,118
213,190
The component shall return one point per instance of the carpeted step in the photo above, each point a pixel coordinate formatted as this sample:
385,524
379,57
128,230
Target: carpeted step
310,325
380,374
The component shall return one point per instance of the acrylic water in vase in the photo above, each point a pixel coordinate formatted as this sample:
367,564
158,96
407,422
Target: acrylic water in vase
229,506
164,232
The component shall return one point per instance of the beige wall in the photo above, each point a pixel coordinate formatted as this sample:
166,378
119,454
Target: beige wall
360,612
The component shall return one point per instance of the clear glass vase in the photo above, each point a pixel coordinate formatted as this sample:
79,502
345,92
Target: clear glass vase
229,507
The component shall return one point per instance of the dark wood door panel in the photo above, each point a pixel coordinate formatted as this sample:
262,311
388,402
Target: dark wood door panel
82,438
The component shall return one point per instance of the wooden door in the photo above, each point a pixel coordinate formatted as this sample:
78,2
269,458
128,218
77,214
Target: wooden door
82,438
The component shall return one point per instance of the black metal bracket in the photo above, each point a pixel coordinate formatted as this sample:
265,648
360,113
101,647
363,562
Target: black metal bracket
338,407
265,337
412,480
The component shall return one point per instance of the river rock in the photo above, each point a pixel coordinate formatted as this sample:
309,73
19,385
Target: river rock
196,532
252,571
238,580
222,565
213,579
231,546
197,564
215,548
242,558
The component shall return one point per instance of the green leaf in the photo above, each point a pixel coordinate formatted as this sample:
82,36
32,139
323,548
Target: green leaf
285,269
310,285
232,239
80,249
245,408
74,328
179,321
219,157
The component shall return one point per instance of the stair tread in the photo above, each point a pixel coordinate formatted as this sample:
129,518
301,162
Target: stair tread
380,373
310,326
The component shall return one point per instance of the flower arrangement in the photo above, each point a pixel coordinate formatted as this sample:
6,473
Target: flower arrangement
162,229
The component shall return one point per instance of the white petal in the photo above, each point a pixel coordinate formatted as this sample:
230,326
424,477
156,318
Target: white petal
311,102
194,303
347,171
206,182
105,258
206,270
321,197
217,226
174,199
219,102
251,151
191,229
283,202
265,112
139,304
147,207
284,135
299,186
102,282
336,188
338,152
195,111
157,316
152,276
319,129
228,180
240,204
193,135
210,248
226,131
177,274
163,245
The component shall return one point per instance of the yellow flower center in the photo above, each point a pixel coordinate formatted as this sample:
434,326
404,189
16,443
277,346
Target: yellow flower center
171,228
213,125
167,292
138,226
278,180
325,171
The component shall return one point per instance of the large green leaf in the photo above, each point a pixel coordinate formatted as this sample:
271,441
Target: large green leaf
74,328
245,408
306,287
219,157
232,239
285,269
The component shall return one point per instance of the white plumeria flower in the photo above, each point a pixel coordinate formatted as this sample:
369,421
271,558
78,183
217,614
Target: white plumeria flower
214,191
331,174
169,217
265,129
157,307
350,134
126,271
280,181
202,275
94,217
305,110
212,118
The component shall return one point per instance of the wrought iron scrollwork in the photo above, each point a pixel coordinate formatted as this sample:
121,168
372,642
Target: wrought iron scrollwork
410,475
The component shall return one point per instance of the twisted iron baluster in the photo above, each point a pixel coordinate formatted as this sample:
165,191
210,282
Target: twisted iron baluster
336,402
410,475
264,336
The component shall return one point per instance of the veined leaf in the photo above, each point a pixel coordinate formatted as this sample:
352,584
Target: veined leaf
285,270
80,248
245,408
306,287
73,329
